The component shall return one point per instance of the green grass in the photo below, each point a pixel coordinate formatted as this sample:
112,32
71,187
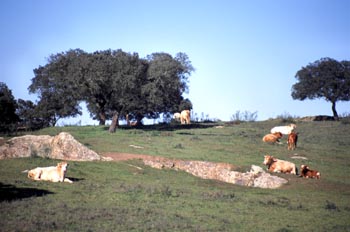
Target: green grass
116,196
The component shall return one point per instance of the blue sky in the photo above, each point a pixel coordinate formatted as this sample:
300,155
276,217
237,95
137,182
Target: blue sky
246,53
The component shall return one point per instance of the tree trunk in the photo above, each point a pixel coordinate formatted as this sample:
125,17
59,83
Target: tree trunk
102,119
115,123
139,118
127,119
335,114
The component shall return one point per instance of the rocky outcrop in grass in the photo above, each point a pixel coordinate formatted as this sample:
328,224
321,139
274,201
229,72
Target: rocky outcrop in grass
62,146
256,177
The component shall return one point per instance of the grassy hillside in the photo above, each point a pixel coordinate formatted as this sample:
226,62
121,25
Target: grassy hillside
116,196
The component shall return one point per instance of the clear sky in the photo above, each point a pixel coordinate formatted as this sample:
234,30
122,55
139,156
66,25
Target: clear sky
245,52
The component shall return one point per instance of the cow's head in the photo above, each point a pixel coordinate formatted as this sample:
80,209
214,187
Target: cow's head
304,167
62,166
278,134
269,159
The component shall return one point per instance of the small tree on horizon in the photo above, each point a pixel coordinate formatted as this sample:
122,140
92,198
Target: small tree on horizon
325,78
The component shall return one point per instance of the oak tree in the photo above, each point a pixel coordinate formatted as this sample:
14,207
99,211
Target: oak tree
325,78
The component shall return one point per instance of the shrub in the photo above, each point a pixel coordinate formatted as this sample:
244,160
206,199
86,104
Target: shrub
245,116
286,118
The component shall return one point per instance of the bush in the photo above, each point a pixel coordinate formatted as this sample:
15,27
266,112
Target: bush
286,118
245,116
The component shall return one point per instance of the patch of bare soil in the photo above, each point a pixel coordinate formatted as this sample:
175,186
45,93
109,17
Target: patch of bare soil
116,156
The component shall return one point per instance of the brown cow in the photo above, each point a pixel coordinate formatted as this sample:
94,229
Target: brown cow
292,141
306,172
276,165
272,138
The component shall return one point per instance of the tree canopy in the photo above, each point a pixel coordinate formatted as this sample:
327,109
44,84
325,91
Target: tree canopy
113,83
56,83
325,78
8,105
30,116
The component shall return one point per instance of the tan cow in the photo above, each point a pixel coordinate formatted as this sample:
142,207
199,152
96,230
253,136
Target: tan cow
185,117
292,141
276,165
272,138
306,172
53,174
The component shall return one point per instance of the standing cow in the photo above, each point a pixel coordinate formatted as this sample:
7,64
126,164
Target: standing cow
286,130
292,141
185,117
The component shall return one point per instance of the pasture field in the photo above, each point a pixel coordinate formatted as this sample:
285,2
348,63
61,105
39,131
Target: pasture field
118,196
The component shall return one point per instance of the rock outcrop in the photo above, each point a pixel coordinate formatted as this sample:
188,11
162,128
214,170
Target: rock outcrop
317,118
256,177
62,146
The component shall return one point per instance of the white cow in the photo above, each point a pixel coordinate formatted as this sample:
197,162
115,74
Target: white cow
177,116
286,130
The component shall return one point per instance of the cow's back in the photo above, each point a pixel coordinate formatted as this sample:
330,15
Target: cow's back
283,166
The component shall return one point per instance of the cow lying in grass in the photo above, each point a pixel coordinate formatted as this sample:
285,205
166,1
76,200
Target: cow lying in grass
276,165
53,174
292,141
272,138
286,130
306,172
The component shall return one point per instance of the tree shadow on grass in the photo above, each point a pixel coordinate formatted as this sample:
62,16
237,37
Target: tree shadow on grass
12,193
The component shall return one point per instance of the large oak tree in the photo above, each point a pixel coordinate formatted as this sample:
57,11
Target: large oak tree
325,78
113,83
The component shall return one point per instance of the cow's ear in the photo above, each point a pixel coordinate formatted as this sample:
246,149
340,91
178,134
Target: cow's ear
274,159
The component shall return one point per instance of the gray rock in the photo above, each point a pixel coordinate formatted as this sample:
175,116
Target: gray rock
62,146
256,177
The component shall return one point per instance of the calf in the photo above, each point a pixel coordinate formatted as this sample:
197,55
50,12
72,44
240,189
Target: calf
276,165
292,141
272,138
306,172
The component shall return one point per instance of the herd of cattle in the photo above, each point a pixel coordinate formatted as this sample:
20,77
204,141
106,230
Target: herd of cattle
277,165
57,173
184,117
276,133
